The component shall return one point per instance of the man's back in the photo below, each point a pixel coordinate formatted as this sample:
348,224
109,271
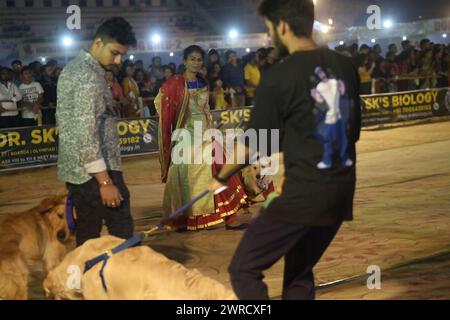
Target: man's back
287,99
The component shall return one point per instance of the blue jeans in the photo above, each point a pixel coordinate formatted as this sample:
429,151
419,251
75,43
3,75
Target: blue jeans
335,133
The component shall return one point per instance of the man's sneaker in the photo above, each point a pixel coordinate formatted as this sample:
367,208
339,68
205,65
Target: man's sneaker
322,165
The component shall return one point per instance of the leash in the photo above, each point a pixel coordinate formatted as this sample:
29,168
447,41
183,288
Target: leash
138,238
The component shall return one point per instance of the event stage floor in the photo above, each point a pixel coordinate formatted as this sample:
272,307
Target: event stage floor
402,219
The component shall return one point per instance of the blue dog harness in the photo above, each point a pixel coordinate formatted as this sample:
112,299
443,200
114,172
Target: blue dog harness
69,213
105,256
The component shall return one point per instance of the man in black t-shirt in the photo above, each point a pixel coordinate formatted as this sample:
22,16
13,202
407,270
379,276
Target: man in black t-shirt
312,98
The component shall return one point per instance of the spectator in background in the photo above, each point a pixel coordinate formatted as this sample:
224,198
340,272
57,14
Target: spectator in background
364,49
156,69
425,44
262,58
173,66
378,52
32,98
9,96
139,77
214,73
406,45
204,72
16,66
426,69
353,49
218,95
167,75
365,70
439,66
148,94
407,68
272,57
115,69
131,92
36,67
168,72
385,79
49,84
213,58
139,65
233,78
252,77
392,49
117,93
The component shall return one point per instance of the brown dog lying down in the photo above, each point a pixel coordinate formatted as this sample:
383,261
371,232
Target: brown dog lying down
137,273
33,236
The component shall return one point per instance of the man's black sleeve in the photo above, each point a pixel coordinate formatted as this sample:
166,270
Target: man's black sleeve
266,114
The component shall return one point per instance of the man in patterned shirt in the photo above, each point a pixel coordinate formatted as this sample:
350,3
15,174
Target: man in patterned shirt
89,149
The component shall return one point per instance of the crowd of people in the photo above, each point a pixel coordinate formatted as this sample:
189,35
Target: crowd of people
28,93
422,66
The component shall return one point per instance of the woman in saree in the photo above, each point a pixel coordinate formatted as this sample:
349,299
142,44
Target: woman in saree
182,102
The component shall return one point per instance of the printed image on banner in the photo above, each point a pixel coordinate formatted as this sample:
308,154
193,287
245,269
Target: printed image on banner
231,119
404,106
138,136
27,147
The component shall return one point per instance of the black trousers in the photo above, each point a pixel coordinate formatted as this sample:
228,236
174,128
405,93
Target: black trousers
10,122
264,243
91,212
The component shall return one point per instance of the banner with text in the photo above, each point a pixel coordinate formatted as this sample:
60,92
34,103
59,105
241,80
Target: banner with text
38,146
404,106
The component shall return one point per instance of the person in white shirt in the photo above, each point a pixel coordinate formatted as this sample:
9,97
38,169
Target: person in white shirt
9,96
32,98
330,91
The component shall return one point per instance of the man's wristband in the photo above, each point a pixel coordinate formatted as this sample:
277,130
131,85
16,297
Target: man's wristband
107,182
221,180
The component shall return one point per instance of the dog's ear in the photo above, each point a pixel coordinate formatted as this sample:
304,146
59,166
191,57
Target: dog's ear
46,205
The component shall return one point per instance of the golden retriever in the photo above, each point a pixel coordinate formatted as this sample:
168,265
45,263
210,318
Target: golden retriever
259,177
34,236
137,273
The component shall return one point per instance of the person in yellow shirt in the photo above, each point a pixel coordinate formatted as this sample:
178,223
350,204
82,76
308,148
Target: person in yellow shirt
252,76
219,95
131,92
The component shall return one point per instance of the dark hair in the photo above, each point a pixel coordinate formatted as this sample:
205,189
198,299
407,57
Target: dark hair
52,63
424,41
251,56
229,53
191,49
364,46
212,51
16,61
167,67
27,68
116,29
298,14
